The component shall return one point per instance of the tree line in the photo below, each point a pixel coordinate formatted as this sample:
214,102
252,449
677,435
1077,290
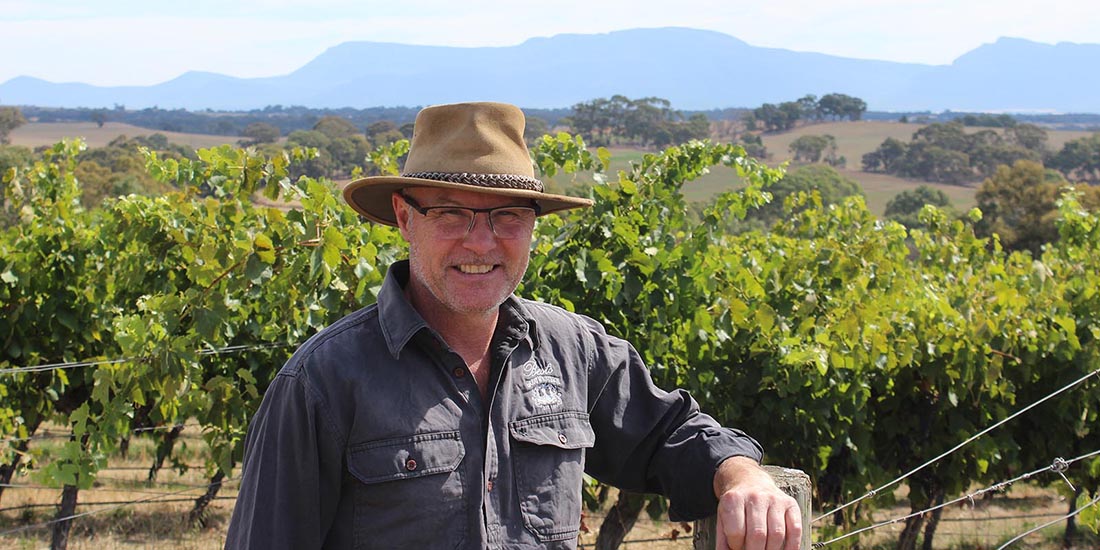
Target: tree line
947,153
233,123
786,115
644,122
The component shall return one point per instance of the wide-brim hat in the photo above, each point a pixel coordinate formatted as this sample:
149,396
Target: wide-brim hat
469,146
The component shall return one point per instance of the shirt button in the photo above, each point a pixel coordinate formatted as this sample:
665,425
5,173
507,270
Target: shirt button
410,464
563,439
459,372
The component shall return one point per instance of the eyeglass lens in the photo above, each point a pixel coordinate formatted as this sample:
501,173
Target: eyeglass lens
506,222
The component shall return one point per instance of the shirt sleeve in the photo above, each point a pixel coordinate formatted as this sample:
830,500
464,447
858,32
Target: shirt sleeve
653,441
290,480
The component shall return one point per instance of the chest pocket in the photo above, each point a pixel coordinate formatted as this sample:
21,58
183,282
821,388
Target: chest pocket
408,491
549,469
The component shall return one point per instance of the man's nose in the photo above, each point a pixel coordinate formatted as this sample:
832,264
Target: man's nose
481,237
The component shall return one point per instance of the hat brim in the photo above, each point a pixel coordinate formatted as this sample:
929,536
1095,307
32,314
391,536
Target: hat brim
370,196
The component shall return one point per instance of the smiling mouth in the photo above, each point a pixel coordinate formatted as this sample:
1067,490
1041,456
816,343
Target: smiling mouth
475,269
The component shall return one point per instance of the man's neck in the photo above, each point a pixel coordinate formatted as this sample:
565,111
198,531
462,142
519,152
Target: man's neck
468,334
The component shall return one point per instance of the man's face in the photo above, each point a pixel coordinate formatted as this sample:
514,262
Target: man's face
471,274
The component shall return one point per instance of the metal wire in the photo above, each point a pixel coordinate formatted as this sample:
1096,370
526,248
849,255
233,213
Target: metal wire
69,435
1048,524
79,364
1054,467
108,509
108,503
61,366
874,492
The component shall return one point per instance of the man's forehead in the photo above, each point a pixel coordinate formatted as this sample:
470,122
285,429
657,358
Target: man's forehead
441,195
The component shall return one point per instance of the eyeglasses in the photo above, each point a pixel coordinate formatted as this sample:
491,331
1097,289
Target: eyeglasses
455,222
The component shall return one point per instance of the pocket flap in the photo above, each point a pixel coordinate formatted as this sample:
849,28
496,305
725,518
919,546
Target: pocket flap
565,430
406,457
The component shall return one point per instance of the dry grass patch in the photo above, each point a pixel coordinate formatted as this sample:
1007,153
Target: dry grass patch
156,516
35,134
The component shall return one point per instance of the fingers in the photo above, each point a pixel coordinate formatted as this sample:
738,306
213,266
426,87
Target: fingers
758,522
793,519
731,516
776,528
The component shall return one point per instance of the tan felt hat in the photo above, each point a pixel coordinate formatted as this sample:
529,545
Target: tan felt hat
470,146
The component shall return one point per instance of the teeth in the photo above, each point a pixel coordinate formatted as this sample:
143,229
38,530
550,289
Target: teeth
478,269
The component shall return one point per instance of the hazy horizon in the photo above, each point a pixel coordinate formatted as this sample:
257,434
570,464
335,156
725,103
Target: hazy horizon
127,42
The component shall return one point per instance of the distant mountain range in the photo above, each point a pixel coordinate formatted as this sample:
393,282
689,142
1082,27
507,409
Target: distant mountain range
694,69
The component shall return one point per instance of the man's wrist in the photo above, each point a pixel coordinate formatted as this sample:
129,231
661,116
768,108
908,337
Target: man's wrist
736,470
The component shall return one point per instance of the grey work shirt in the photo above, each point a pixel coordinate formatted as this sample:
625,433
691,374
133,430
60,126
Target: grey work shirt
374,435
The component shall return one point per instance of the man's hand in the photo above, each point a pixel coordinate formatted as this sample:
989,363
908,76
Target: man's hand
753,513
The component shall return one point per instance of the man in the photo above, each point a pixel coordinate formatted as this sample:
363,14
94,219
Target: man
453,414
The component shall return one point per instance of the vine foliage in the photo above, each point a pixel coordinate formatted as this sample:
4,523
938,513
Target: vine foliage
853,348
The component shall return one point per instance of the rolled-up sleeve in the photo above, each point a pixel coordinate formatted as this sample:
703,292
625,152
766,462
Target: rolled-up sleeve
290,483
653,441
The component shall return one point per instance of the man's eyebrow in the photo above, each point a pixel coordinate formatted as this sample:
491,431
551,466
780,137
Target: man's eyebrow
448,200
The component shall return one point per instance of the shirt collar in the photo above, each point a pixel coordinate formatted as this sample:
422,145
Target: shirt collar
397,317
516,315
400,321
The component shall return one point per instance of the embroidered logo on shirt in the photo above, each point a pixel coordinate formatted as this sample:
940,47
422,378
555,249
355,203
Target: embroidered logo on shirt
542,384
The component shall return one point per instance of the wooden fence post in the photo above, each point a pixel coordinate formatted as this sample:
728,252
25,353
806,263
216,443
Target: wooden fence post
793,482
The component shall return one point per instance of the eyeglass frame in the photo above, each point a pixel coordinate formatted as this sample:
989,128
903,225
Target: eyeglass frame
424,210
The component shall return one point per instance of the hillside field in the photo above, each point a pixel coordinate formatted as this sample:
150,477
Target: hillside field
854,139
36,134
878,188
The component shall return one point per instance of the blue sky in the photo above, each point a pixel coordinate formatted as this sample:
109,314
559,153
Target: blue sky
140,42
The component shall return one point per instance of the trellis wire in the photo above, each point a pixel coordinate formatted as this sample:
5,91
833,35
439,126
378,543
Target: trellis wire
101,490
1056,465
80,364
108,503
1048,524
69,435
874,492
61,366
171,483
108,509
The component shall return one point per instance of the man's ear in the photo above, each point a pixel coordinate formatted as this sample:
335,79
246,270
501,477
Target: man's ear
401,213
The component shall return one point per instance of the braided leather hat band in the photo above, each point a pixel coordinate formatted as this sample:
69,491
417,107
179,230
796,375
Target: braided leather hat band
497,181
